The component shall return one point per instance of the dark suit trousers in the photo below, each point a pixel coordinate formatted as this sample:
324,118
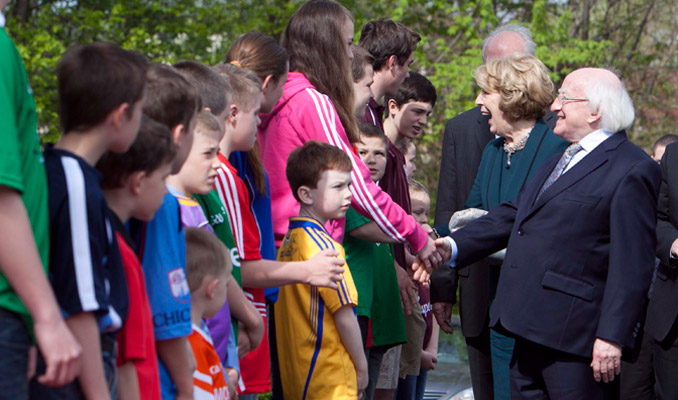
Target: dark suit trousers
665,357
480,363
542,373
637,379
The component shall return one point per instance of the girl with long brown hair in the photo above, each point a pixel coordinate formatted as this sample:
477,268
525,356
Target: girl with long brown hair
316,104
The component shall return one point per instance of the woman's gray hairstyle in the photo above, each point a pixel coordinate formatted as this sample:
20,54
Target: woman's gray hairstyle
530,45
612,101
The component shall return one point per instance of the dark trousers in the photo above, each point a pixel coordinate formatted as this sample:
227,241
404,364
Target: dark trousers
637,379
542,373
480,364
14,344
665,357
276,382
374,356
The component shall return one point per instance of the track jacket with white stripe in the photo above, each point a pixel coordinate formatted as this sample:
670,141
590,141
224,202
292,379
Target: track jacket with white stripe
304,114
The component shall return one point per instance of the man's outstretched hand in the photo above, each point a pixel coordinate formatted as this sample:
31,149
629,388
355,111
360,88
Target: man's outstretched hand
427,258
444,249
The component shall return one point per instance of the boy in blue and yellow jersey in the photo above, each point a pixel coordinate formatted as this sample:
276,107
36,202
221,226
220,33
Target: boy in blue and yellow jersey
319,343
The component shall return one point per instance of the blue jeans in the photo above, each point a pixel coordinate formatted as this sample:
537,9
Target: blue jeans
72,390
14,344
412,387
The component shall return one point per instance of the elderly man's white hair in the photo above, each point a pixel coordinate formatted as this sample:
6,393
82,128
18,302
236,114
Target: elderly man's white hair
611,100
525,34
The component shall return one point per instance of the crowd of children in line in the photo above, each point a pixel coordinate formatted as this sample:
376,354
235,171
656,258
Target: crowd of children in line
158,212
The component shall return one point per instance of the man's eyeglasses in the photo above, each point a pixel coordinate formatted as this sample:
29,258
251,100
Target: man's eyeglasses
564,99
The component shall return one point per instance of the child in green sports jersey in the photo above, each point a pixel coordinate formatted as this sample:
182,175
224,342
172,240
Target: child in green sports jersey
372,265
28,307
247,328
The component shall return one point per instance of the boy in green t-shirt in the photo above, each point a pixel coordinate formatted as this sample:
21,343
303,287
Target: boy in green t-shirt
380,314
27,303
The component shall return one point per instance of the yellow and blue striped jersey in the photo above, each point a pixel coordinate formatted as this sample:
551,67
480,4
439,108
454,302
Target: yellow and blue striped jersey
314,363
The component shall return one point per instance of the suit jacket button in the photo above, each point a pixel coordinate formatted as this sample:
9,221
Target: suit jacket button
521,232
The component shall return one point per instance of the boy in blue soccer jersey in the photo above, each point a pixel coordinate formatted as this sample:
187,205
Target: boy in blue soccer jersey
101,94
320,348
172,101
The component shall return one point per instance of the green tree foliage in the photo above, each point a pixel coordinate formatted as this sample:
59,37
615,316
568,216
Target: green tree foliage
637,38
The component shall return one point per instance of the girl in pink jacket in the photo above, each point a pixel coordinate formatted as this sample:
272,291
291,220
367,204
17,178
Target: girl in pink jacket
316,105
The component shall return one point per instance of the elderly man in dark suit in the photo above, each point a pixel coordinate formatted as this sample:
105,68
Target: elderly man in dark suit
662,315
580,241
464,139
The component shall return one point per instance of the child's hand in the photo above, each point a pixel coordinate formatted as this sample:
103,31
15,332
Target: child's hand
428,360
244,344
428,258
233,377
249,338
408,290
363,380
324,269
61,351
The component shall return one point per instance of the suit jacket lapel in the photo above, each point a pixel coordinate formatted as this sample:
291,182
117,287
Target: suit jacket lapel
583,168
482,131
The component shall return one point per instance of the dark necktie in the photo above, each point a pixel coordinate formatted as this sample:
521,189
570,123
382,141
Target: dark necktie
560,167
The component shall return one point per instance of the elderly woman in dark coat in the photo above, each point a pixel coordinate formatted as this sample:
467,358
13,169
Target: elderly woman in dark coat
515,93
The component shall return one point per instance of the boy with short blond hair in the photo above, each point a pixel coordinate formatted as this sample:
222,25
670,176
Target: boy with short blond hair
134,185
198,172
217,93
320,348
101,94
208,269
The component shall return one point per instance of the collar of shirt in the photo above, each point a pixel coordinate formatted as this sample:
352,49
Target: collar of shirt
2,20
593,139
588,144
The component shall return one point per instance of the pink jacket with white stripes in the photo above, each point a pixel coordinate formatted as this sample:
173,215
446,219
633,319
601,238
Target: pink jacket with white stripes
304,114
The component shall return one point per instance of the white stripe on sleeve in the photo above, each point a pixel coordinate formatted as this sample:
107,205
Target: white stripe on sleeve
82,255
359,187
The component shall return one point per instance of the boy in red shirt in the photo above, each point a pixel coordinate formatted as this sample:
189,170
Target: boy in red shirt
134,185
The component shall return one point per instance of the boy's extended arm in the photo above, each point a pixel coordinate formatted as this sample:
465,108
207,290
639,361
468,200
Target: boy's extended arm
177,356
128,384
323,269
347,325
245,313
92,378
429,357
21,265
